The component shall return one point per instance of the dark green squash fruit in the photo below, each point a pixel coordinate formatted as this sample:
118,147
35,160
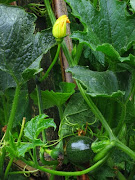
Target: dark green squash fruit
79,150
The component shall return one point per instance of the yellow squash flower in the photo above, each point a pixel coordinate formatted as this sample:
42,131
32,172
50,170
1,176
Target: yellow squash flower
59,28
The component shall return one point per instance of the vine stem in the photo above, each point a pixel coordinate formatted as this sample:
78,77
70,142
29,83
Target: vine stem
13,111
35,158
120,176
40,105
122,118
8,168
21,131
124,148
78,54
10,125
18,142
52,64
63,173
96,112
95,3
50,12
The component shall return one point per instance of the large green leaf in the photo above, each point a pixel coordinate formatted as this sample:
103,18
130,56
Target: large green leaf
103,84
77,113
108,29
20,47
36,125
51,98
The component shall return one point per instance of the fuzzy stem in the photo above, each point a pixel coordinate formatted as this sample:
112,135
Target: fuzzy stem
120,176
21,131
53,63
40,106
95,3
50,12
18,142
126,149
35,157
10,125
2,159
96,112
78,54
122,118
63,173
60,112
8,168
52,175
13,111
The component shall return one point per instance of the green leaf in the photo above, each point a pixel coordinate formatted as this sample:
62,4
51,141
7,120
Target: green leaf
23,148
96,58
36,125
76,115
103,84
132,3
33,69
20,47
51,98
108,29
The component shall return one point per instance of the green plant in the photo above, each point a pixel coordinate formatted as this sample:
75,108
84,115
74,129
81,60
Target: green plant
101,107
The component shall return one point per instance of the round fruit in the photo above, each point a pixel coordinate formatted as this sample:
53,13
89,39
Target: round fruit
79,149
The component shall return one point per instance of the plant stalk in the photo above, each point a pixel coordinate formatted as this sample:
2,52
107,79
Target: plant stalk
2,159
35,158
122,118
50,12
18,142
40,105
95,3
78,54
126,149
96,112
52,64
9,126
120,176
13,111
8,168
21,131
64,173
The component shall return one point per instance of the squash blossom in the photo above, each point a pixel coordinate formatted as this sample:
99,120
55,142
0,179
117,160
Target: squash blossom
59,28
